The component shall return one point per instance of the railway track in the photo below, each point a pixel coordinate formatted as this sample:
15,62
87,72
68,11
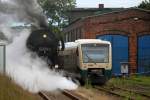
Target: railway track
44,96
133,91
110,92
68,95
122,92
113,91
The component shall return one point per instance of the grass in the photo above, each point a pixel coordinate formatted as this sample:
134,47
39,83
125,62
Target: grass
131,81
10,91
142,80
136,83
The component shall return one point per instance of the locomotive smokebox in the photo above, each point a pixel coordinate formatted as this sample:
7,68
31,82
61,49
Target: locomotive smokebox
45,43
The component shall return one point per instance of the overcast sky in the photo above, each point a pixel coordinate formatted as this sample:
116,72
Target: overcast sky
108,3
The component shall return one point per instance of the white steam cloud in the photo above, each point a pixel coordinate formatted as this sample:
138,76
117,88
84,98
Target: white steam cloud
23,66
30,71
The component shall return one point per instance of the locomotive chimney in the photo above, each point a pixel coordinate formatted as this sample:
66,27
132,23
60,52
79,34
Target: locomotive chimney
100,5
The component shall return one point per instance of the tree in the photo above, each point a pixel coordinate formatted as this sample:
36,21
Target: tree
145,5
55,10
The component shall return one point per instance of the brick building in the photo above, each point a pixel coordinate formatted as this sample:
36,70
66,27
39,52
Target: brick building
127,29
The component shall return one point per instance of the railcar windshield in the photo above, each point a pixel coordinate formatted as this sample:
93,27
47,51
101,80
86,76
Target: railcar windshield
95,53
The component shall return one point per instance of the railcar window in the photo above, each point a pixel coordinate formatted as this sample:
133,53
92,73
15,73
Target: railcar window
95,53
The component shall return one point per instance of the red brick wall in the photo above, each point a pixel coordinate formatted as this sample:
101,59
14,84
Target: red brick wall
123,23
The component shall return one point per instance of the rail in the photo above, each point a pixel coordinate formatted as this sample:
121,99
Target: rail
44,96
110,91
72,95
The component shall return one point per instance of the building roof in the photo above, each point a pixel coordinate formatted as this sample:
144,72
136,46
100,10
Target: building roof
117,11
93,9
107,11
96,10
77,13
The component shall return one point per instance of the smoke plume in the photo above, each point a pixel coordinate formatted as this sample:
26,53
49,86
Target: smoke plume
27,11
23,66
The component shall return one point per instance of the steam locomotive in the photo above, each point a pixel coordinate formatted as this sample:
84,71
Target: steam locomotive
46,44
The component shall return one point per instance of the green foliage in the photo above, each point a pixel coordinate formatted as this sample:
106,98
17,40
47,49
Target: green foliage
145,5
55,10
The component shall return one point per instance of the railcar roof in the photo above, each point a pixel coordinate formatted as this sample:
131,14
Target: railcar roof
83,41
73,45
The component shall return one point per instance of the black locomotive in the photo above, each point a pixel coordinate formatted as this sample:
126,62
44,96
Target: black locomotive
47,44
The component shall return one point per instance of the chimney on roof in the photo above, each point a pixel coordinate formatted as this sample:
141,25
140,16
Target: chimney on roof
100,5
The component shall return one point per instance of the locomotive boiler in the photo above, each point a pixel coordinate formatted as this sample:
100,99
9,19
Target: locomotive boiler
46,44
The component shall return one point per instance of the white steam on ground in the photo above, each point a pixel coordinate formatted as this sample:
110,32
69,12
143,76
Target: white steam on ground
25,67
